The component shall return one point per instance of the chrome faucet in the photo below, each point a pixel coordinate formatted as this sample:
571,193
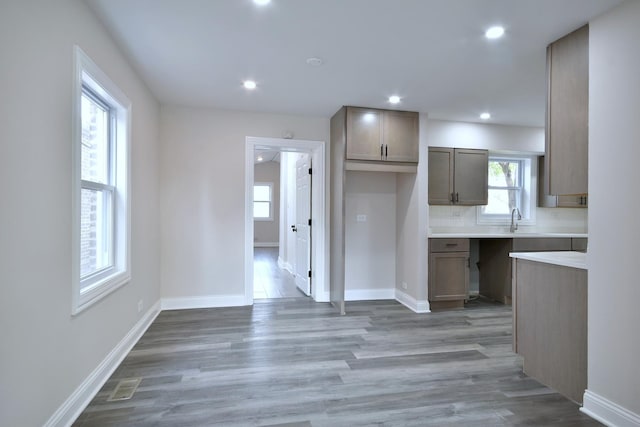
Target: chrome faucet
514,223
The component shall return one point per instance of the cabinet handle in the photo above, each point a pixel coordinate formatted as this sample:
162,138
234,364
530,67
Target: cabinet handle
386,151
381,152
453,197
457,197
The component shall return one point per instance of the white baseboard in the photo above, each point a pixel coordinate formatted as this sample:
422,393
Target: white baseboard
211,301
608,412
81,397
368,294
266,244
321,296
285,265
412,303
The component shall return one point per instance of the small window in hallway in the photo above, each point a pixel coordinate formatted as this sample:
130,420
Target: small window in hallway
262,201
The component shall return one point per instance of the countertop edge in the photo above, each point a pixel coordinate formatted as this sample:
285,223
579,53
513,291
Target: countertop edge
472,235
570,259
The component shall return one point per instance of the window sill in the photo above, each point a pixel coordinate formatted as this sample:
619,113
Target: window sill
100,290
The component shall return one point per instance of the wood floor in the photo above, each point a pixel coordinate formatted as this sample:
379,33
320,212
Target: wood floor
293,362
269,280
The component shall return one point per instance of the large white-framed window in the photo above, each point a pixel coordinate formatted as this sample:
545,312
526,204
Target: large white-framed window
101,189
512,185
263,201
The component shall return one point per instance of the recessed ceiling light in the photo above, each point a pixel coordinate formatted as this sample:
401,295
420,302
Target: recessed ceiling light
485,116
260,158
394,99
261,2
314,61
249,84
494,32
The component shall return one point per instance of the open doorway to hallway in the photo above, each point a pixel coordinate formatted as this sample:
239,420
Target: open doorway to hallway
317,228
282,224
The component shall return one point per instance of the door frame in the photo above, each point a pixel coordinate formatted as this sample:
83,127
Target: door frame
317,151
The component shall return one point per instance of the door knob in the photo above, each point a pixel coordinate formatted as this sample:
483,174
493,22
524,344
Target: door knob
294,228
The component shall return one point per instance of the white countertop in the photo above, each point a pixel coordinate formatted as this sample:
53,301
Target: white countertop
501,235
563,258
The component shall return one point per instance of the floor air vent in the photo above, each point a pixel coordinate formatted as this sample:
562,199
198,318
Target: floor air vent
125,389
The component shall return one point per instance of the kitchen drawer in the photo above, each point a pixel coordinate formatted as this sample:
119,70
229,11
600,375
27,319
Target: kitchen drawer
449,245
579,244
541,244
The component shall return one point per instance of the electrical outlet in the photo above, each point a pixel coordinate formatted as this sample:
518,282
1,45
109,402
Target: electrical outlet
404,285
140,305
361,218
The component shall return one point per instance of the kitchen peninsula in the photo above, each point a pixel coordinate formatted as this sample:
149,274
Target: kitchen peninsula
550,318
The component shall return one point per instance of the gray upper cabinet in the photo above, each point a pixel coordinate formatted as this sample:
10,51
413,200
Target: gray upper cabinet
364,134
458,176
567,130
382,135
401,136
545,200
440,176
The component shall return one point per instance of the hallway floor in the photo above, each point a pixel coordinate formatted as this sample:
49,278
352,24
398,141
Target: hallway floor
270,281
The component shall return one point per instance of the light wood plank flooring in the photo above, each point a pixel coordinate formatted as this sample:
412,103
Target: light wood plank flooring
293,362
269,280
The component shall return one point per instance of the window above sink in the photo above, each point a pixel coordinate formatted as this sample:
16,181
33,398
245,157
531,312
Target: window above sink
512,184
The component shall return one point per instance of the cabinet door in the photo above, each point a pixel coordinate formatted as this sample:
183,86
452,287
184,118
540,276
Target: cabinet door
440,175
471,177
567,113
448,276
364,134
401,136
573,201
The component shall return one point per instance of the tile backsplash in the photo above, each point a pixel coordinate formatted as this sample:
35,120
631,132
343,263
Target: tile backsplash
463,218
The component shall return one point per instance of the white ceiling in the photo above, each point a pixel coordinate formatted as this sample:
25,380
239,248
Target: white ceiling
430,52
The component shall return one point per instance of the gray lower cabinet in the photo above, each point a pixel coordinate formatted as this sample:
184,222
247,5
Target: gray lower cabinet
579,244
458,176
448,281
495,264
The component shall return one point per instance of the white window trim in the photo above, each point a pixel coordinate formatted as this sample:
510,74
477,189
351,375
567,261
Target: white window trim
270,185
529,190
87,73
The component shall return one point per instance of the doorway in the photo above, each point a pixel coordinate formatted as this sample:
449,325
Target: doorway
282,218
300,247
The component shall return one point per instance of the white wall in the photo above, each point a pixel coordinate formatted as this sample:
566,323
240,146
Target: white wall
202,178
47,353
267,232
411,229
442,133
370,245
614,204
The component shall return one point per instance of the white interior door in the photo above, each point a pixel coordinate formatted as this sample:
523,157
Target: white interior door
301,228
